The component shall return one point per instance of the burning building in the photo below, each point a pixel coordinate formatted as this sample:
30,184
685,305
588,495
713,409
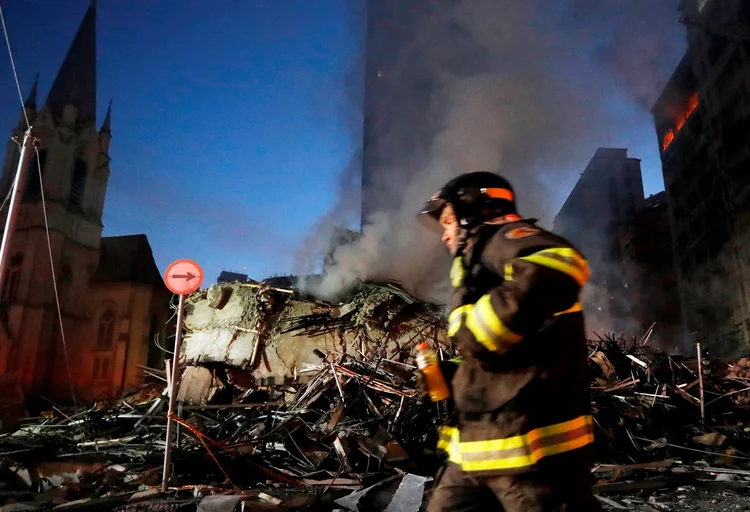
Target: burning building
702,124
605,200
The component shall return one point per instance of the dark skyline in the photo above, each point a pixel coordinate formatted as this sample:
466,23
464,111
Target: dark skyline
230,126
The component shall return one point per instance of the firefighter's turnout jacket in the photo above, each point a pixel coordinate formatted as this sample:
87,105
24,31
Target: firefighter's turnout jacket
521,391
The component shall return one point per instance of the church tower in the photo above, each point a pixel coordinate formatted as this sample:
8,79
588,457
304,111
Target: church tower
74,161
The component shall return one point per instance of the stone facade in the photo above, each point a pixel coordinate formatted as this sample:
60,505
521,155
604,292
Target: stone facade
106,317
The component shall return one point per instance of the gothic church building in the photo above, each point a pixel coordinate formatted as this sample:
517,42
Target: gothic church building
114,304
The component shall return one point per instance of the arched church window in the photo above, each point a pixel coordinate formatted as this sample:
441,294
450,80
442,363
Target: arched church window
106,331
12,277
78,183
33,188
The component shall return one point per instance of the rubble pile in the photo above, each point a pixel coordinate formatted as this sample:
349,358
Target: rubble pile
658,438
290,403
648,403
354,424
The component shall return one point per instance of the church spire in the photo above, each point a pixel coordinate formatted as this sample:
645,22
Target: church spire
31,98
75,83
106,128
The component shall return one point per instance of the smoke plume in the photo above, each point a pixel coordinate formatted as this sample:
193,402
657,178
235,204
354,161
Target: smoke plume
345,211
518,86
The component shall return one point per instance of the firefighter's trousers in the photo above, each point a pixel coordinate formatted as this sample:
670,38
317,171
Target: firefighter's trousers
566,490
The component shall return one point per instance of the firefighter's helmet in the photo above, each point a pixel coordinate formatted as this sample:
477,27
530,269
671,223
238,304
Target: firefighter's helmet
475,198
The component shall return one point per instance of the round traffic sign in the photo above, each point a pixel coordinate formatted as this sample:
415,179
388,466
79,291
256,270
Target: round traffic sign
183,277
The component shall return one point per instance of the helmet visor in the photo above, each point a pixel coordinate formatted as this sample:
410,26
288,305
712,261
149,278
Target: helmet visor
430,214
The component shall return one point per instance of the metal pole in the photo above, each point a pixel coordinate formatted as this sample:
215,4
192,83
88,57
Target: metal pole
173,395
19,183
700,381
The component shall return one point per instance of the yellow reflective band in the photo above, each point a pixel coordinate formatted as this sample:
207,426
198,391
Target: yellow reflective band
456,318
526,439
446,436
458,273
448,442
480,334
488,329
573,309
509,272
527,449
525,460
565,260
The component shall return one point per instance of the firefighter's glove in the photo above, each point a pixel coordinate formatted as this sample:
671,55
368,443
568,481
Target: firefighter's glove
448,369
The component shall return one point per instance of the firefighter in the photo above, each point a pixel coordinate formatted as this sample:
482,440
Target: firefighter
523,431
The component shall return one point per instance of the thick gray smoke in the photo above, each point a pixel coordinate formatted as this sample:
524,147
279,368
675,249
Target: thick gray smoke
345,211
519,86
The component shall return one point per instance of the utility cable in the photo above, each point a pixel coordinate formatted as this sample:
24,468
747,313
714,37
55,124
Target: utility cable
54,284
5,201
13,65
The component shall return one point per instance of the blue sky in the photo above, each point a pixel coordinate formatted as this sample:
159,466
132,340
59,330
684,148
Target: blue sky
227,122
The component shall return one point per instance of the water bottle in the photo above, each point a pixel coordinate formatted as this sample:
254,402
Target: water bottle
427,362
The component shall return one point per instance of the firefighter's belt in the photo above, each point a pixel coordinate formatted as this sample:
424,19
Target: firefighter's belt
517,452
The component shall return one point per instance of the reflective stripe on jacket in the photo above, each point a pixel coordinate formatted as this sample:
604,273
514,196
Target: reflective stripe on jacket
518,452
481,317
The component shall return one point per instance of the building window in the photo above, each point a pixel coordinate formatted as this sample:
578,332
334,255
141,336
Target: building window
106,331
33,183
12,277
78,184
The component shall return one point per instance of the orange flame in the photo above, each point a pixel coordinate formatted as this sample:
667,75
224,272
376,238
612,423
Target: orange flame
668,138
680,121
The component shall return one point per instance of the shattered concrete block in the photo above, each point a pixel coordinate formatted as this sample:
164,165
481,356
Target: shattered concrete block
197,385
277,336
218,296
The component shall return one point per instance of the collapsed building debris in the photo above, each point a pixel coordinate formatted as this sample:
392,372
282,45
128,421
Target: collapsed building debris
272,335
290,403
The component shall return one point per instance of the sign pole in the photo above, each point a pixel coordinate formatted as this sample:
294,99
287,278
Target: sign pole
700,380
173,395
182,277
